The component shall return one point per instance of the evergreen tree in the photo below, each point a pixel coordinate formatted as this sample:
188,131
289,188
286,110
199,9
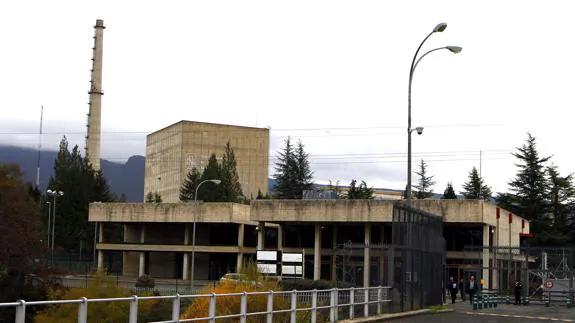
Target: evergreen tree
230,187
188,189
475,188
304,175
361,192
262,196
81,185
449,193
528,196
209,192
286,173
424,187
561,203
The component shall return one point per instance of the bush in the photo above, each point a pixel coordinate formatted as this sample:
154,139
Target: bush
230,305
103,286
145,281
308,284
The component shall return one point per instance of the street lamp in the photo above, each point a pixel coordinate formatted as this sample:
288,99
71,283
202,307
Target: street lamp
454,49
49,222
54,194
217,182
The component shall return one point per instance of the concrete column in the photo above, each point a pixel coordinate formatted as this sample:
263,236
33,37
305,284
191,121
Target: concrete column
100,260
317,253
382,255
334,253
186,260
142,254
100,232
366,255
261,235
142,264
239,261
485,257
280,236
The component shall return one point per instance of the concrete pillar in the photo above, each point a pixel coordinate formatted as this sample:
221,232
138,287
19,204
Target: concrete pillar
334,253
261,235
382,255
186,260
485,256
317,253
141,267
100,232
100,260
239,261
366,255
280,236
142,254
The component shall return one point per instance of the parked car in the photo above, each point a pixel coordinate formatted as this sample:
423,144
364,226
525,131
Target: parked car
237,278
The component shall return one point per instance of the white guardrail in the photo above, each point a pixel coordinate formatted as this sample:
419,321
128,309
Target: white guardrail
331,300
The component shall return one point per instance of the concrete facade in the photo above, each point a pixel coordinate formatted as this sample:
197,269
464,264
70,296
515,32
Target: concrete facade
315,227
172,152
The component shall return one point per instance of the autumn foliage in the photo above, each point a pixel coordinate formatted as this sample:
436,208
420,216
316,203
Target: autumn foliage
103,286
230,305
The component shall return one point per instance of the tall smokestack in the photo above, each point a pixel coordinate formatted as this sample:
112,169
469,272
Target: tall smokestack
93,132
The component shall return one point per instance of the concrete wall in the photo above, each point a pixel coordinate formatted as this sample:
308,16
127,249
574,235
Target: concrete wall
163,173
169,212
173,151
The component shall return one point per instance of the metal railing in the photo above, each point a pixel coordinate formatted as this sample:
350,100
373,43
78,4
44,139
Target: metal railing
357,302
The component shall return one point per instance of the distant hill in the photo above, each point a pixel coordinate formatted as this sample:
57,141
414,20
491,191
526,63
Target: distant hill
125,178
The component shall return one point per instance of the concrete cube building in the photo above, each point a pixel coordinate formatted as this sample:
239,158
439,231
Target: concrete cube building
173,151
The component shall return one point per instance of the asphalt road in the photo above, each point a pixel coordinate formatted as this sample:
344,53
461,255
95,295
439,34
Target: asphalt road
458,317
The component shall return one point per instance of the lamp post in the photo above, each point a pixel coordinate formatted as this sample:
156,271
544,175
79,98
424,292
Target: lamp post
217,182
54,195
49,222
454,49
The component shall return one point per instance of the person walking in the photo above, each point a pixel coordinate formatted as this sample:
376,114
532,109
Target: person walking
453,289
518,288
462,289
472,288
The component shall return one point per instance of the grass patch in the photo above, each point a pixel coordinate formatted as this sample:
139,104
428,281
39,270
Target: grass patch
436,308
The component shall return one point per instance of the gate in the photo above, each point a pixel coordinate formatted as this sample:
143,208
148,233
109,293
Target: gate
418,253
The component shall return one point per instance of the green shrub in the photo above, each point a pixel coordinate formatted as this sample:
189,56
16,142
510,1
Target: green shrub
145,281
309,284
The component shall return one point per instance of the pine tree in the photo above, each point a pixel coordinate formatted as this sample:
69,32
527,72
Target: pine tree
210,192
230,187
361,192
188,189
475,188
286,172
528,196
304,175
81,185
561,203
424,186
449,193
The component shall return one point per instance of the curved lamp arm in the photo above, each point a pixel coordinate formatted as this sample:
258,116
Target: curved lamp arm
453,49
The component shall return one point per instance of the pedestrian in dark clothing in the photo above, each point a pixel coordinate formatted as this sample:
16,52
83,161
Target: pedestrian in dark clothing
462,289
518,288
453,289
472,288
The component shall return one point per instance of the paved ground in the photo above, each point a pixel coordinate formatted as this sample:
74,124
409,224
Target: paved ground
502,314
458,317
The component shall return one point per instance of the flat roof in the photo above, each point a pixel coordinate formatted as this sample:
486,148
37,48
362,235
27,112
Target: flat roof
183,122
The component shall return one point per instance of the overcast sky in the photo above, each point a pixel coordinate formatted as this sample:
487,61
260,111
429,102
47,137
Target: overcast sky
331,73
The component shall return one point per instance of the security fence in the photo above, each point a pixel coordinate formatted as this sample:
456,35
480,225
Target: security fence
278,306
418,253
543,271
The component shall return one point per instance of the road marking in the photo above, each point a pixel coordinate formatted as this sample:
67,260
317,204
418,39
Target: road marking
522,316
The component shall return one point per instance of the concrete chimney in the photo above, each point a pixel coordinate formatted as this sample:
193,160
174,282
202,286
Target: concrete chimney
93,131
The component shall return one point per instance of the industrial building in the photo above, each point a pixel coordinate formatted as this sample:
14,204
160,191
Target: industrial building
157,237
172,152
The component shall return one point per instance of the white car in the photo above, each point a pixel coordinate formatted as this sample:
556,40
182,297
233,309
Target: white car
237,278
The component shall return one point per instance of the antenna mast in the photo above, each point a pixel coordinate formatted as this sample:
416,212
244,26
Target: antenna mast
39,148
